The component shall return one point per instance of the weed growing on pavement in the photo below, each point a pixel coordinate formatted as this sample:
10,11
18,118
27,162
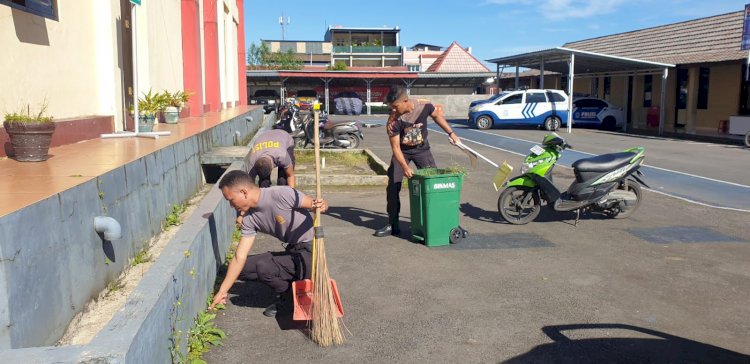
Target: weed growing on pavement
115,285
142,257
173,219
203,336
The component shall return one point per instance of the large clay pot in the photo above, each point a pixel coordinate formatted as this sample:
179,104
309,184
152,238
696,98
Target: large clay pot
30,141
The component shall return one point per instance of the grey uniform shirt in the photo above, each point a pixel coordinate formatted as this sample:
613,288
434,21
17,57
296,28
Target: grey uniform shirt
279,214
277,144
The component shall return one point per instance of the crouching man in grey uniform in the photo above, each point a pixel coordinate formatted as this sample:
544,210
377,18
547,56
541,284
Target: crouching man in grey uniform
272,148
280,211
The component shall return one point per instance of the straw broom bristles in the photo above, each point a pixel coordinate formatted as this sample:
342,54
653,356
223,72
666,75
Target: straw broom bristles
325,329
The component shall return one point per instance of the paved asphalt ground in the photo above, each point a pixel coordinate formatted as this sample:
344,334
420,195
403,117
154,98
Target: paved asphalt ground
669,284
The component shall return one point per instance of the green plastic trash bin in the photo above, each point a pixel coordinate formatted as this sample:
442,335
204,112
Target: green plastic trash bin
434,196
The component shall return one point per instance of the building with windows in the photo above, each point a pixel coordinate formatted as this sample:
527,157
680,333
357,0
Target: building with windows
77,56
365,47
683,77
421,56
310,52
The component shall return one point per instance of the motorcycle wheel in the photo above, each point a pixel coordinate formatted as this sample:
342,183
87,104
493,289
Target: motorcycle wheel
623,210
353,141
299,143
519,205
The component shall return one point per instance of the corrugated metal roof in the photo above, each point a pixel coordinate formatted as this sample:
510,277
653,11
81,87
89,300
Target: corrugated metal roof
586,63
712,39
262,73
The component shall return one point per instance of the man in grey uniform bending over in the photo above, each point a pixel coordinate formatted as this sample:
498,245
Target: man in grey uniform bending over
280,211
272,148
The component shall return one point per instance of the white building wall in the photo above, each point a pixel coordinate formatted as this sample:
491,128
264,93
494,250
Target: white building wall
38,63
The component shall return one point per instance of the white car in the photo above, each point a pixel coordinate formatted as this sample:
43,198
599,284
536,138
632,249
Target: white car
547,108
591,111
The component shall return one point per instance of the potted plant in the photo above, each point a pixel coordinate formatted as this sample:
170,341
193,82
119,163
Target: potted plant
148,106
174,102
30,134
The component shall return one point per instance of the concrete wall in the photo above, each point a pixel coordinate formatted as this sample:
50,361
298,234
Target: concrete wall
158,314
55,262
723,96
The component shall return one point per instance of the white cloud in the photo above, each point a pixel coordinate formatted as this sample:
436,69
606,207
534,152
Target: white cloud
565,9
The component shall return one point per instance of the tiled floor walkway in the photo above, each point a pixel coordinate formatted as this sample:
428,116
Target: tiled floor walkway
24,183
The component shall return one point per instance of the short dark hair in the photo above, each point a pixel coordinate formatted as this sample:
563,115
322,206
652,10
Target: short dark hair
235,178
263,167
394,94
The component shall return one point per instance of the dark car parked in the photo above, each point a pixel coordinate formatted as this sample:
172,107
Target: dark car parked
348,103
268,98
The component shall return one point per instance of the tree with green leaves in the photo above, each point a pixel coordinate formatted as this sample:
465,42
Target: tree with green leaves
257,55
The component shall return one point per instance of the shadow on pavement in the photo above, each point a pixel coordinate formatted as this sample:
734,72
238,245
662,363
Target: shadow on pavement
659,348
258,295
367,219
480,214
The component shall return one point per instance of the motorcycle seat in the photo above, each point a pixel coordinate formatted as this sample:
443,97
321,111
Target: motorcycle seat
332,124
604,162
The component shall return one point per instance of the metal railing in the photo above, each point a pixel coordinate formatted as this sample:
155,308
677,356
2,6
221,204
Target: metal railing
366,49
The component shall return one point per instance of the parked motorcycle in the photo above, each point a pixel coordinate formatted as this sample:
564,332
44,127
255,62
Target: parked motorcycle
291,119
608,183
344,134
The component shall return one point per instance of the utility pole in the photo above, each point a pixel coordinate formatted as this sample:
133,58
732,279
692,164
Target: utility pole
284,22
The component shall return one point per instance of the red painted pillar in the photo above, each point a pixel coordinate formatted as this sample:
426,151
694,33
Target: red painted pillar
191,56
211,51
242,84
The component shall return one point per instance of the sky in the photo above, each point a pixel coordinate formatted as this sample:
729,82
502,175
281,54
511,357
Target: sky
493,28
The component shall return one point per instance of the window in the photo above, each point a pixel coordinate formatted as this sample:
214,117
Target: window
535,97
703,87
607,87
745,92
683,79
413,68
555,97
287,46
512,99
648,82
45,8
313,47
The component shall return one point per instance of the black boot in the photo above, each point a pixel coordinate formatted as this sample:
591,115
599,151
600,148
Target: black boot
389,229
275,307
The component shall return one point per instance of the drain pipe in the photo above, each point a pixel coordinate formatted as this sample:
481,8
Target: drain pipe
109,227
237,137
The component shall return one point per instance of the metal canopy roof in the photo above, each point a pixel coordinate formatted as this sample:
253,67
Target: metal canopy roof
418,78
586,63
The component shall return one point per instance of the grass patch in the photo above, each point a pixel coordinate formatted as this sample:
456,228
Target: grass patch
457,169
173,219
142,257
115,286
349,159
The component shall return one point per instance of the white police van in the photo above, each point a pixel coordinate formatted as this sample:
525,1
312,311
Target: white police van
547,108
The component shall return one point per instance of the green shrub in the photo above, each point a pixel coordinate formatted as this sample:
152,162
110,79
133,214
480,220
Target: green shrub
25,116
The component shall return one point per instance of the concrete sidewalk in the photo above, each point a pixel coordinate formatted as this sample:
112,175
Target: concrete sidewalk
504,293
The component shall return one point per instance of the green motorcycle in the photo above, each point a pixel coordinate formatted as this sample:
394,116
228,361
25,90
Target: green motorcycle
608,183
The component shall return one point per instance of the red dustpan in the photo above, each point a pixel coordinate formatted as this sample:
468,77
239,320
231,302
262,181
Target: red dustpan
302,292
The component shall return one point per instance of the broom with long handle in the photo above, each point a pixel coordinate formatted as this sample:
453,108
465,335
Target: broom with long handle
325,325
